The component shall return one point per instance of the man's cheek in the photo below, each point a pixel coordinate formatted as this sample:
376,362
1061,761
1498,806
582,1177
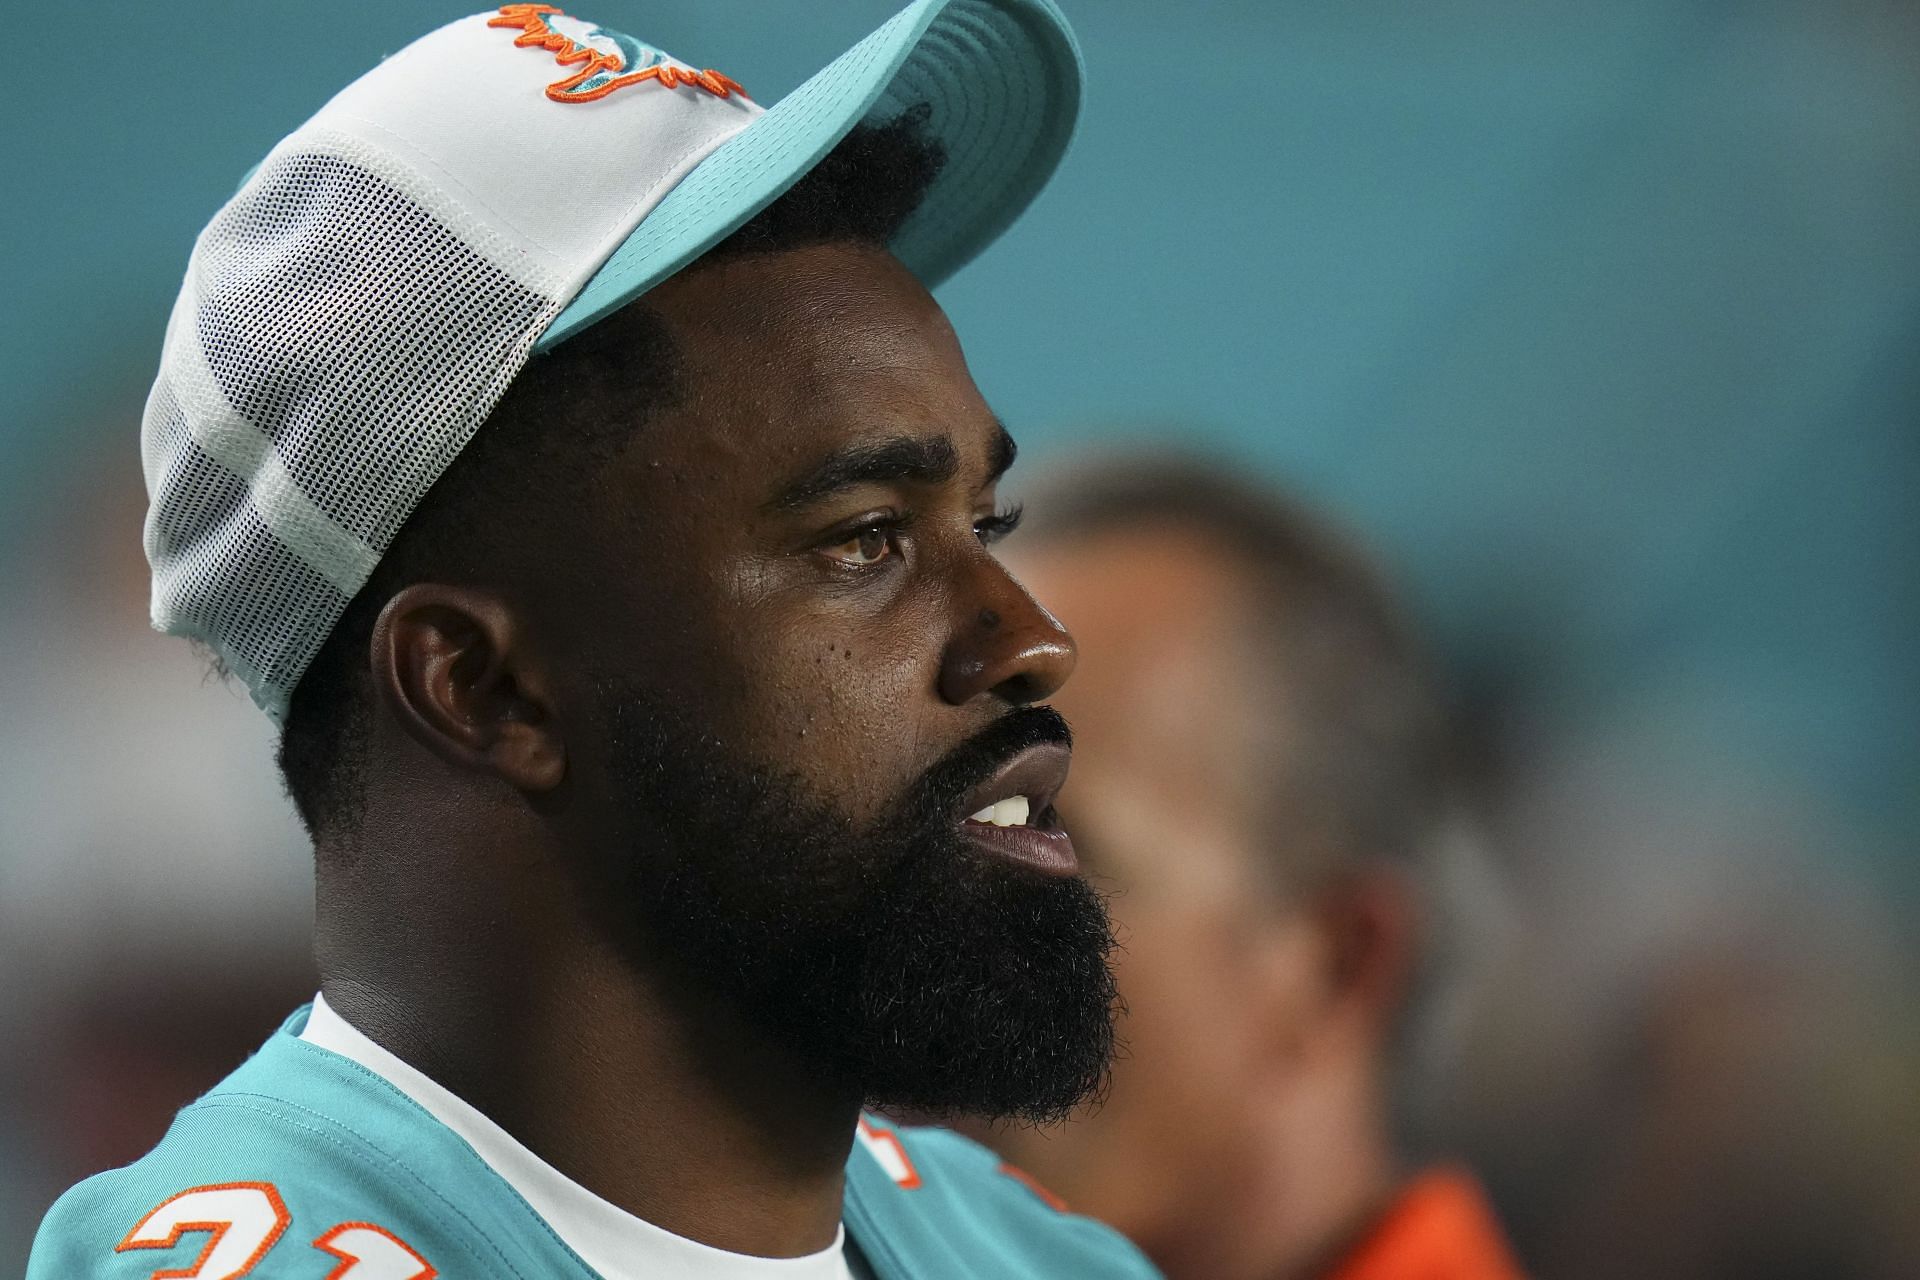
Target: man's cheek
857,675
851,727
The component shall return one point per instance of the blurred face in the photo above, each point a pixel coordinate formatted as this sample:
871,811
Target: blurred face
1158,804
807,688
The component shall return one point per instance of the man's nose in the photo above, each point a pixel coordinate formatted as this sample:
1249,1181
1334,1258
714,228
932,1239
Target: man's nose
1003,643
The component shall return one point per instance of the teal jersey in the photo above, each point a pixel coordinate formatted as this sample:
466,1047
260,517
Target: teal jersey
305,1165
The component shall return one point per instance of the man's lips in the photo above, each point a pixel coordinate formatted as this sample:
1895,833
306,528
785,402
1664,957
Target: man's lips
1039,842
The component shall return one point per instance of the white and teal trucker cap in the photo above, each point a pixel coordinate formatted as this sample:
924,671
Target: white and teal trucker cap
354,312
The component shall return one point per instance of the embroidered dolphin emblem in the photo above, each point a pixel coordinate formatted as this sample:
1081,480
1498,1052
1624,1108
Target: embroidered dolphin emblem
601,72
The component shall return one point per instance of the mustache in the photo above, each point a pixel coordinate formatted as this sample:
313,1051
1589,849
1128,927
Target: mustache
947,781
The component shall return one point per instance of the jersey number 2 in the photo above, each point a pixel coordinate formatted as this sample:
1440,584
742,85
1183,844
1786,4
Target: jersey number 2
245,1219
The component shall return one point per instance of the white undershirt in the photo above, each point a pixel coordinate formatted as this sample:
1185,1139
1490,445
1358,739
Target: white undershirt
609,1239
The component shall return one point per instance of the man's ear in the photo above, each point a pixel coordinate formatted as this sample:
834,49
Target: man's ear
1341,965
1372,922
453,667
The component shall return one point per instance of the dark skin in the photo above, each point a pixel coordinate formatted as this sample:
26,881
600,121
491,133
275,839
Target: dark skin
797,548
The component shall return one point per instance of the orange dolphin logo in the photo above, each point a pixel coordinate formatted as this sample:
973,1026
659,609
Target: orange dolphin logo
600,73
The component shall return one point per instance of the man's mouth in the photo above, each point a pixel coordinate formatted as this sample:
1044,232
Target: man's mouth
1011,814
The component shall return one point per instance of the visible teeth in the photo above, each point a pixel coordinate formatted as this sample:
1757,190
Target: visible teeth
1011,812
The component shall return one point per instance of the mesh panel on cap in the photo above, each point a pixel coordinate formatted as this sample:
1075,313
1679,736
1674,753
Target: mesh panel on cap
339,302
342,332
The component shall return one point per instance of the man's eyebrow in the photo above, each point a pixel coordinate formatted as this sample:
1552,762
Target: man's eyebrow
921,459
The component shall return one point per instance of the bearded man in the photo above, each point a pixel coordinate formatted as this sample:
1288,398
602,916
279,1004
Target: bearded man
569,455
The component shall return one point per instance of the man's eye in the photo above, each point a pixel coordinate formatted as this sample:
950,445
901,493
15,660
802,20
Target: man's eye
990,529
869,544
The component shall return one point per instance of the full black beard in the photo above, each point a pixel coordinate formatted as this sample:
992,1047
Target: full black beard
918,973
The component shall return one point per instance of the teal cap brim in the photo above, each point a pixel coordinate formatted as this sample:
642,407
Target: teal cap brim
1001,80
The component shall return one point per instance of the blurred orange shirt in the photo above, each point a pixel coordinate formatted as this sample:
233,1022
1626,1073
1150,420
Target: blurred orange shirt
1440,1228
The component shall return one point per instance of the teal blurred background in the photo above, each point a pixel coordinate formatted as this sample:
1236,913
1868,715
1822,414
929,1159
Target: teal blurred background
1603,319
1600,322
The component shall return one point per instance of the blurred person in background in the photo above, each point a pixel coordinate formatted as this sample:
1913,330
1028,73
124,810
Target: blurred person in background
1265,776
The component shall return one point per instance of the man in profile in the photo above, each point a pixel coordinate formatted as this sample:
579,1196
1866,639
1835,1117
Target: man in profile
1264,778
567,453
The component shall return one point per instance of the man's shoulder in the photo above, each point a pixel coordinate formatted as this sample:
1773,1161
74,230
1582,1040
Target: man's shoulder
299,1160
931,1203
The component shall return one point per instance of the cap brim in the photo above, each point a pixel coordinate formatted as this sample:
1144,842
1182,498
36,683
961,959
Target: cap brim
1001,79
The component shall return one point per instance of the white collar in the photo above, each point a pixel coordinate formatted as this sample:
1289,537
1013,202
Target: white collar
608,1239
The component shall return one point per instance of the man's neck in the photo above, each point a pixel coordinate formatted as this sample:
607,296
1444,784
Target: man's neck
671,1111
1335,1167
1327,1171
